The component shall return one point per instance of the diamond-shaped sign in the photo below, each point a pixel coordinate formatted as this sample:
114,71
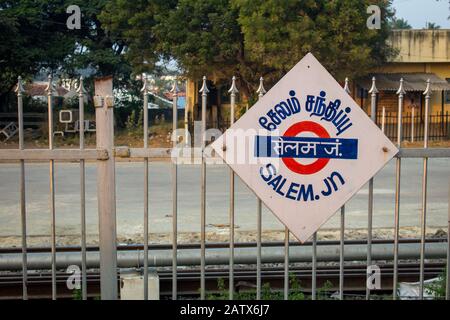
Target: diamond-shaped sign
305,148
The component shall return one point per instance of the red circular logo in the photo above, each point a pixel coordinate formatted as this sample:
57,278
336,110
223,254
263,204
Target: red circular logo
294,130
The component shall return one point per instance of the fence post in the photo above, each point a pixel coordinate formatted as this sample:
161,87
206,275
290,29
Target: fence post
400,92
447,123
261,91
233,91
104,116
373,113
23,210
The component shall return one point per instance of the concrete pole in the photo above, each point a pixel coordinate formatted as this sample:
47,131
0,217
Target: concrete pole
104,116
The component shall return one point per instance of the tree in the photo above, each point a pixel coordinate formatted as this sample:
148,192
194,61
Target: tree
31,38
133,25
432,26
400,23
250,38
277,35
35,37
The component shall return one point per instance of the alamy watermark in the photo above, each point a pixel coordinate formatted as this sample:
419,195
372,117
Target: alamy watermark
74,280
373,277
374,20
74,20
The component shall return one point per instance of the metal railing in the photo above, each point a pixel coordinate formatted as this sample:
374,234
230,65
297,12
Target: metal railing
413,125
104,156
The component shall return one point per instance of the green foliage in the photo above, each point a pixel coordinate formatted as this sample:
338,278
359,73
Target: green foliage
438,288
400,24
432,26
135,123
133,25
35,37
76,294
267,293
324,291
249,38
295,289
278,34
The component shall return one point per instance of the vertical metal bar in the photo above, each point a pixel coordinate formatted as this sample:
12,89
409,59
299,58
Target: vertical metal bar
400,92
50,90
342,243
261,91
341,255
231,217
204,90
258,248
104,116
373,112
174,91
286,264
423,225
186,119
233,91
144,91
81,92
314,267
447,289
23,212
412,124
383,119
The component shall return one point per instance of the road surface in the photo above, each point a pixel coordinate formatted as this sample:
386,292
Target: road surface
129,177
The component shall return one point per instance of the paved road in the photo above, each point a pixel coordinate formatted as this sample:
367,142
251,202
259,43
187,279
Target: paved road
130,198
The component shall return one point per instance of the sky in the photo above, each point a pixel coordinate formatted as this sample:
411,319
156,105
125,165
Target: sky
419,12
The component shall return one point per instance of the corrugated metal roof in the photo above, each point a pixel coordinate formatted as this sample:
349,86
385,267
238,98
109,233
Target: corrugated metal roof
411,81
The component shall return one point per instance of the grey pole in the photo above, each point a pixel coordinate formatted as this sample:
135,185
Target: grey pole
50,90
174,91
186,119
261,91
286,264
373,115
342,228
447,290
23,212
104,115
233,91
81,92
314,267
423,226
144,91
204,91
341,255
401,91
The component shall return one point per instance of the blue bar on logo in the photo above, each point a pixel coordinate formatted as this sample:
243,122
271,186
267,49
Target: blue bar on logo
306,147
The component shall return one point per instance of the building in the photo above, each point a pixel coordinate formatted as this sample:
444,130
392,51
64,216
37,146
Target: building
421,55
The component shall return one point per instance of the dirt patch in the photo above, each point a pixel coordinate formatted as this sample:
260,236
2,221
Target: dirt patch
222,236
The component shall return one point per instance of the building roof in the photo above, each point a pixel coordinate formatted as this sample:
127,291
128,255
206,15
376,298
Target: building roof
416,81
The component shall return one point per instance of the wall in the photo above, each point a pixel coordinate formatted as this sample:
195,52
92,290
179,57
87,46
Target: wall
421,51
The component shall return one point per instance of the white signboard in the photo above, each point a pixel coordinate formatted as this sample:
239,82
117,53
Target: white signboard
305,148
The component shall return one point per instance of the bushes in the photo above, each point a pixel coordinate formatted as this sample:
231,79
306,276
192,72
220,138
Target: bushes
135,124
267,293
